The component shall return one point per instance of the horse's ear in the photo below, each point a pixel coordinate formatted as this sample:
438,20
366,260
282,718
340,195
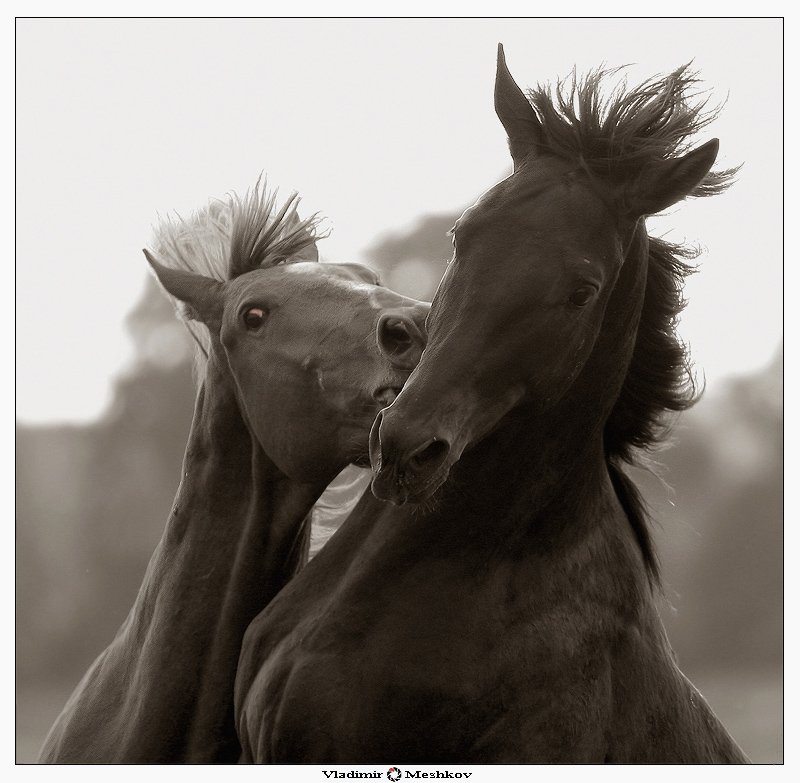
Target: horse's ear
515,112
201,296
665,185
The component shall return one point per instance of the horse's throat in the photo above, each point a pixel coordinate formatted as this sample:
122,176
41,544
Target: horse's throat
237,533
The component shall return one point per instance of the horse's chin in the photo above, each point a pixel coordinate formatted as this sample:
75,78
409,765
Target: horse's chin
385,487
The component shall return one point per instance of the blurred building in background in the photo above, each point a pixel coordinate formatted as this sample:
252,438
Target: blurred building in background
92,502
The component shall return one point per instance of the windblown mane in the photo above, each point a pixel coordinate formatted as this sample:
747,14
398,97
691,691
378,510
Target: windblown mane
230,237
617,138
660,379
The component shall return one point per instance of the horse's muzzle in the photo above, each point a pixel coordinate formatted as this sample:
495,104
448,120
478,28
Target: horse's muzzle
406,467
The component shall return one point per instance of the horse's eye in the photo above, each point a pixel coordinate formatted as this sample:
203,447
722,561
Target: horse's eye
254,317
582,296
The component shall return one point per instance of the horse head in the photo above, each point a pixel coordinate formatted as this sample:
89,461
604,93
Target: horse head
532,287
324,344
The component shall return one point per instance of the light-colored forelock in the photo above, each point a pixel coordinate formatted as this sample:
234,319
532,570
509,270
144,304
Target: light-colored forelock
229,237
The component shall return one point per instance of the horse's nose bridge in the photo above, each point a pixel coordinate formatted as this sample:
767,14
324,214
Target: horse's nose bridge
419,311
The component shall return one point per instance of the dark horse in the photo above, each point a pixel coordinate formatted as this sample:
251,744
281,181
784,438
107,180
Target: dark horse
299,358
502,607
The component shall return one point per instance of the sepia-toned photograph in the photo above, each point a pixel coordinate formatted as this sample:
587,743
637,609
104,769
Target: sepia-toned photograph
400,395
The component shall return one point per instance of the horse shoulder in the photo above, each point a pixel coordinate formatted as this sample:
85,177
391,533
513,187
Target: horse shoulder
89,718
97,722
659,716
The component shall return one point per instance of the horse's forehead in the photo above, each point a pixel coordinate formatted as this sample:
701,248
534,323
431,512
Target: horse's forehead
348,276
311,285
556,208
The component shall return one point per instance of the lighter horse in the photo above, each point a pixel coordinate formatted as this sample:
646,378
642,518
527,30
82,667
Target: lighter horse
300,357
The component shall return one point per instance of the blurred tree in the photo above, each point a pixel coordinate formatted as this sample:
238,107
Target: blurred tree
723,539
412,262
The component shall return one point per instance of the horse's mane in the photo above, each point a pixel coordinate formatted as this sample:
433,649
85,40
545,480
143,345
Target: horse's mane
232,236
660,379
617,138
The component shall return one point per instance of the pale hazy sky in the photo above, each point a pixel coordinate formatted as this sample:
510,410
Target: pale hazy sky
375,122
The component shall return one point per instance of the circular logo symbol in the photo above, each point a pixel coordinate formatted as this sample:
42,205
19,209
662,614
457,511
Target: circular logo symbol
394,773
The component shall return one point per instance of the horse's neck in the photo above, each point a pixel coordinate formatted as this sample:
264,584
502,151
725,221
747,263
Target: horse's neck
235,536
235,521
539,475
555,512
545,469
238,531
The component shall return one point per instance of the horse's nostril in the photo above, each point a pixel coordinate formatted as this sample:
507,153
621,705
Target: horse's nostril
394,337
430,456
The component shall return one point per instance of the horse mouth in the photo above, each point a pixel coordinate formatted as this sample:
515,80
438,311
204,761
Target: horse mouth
399,491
